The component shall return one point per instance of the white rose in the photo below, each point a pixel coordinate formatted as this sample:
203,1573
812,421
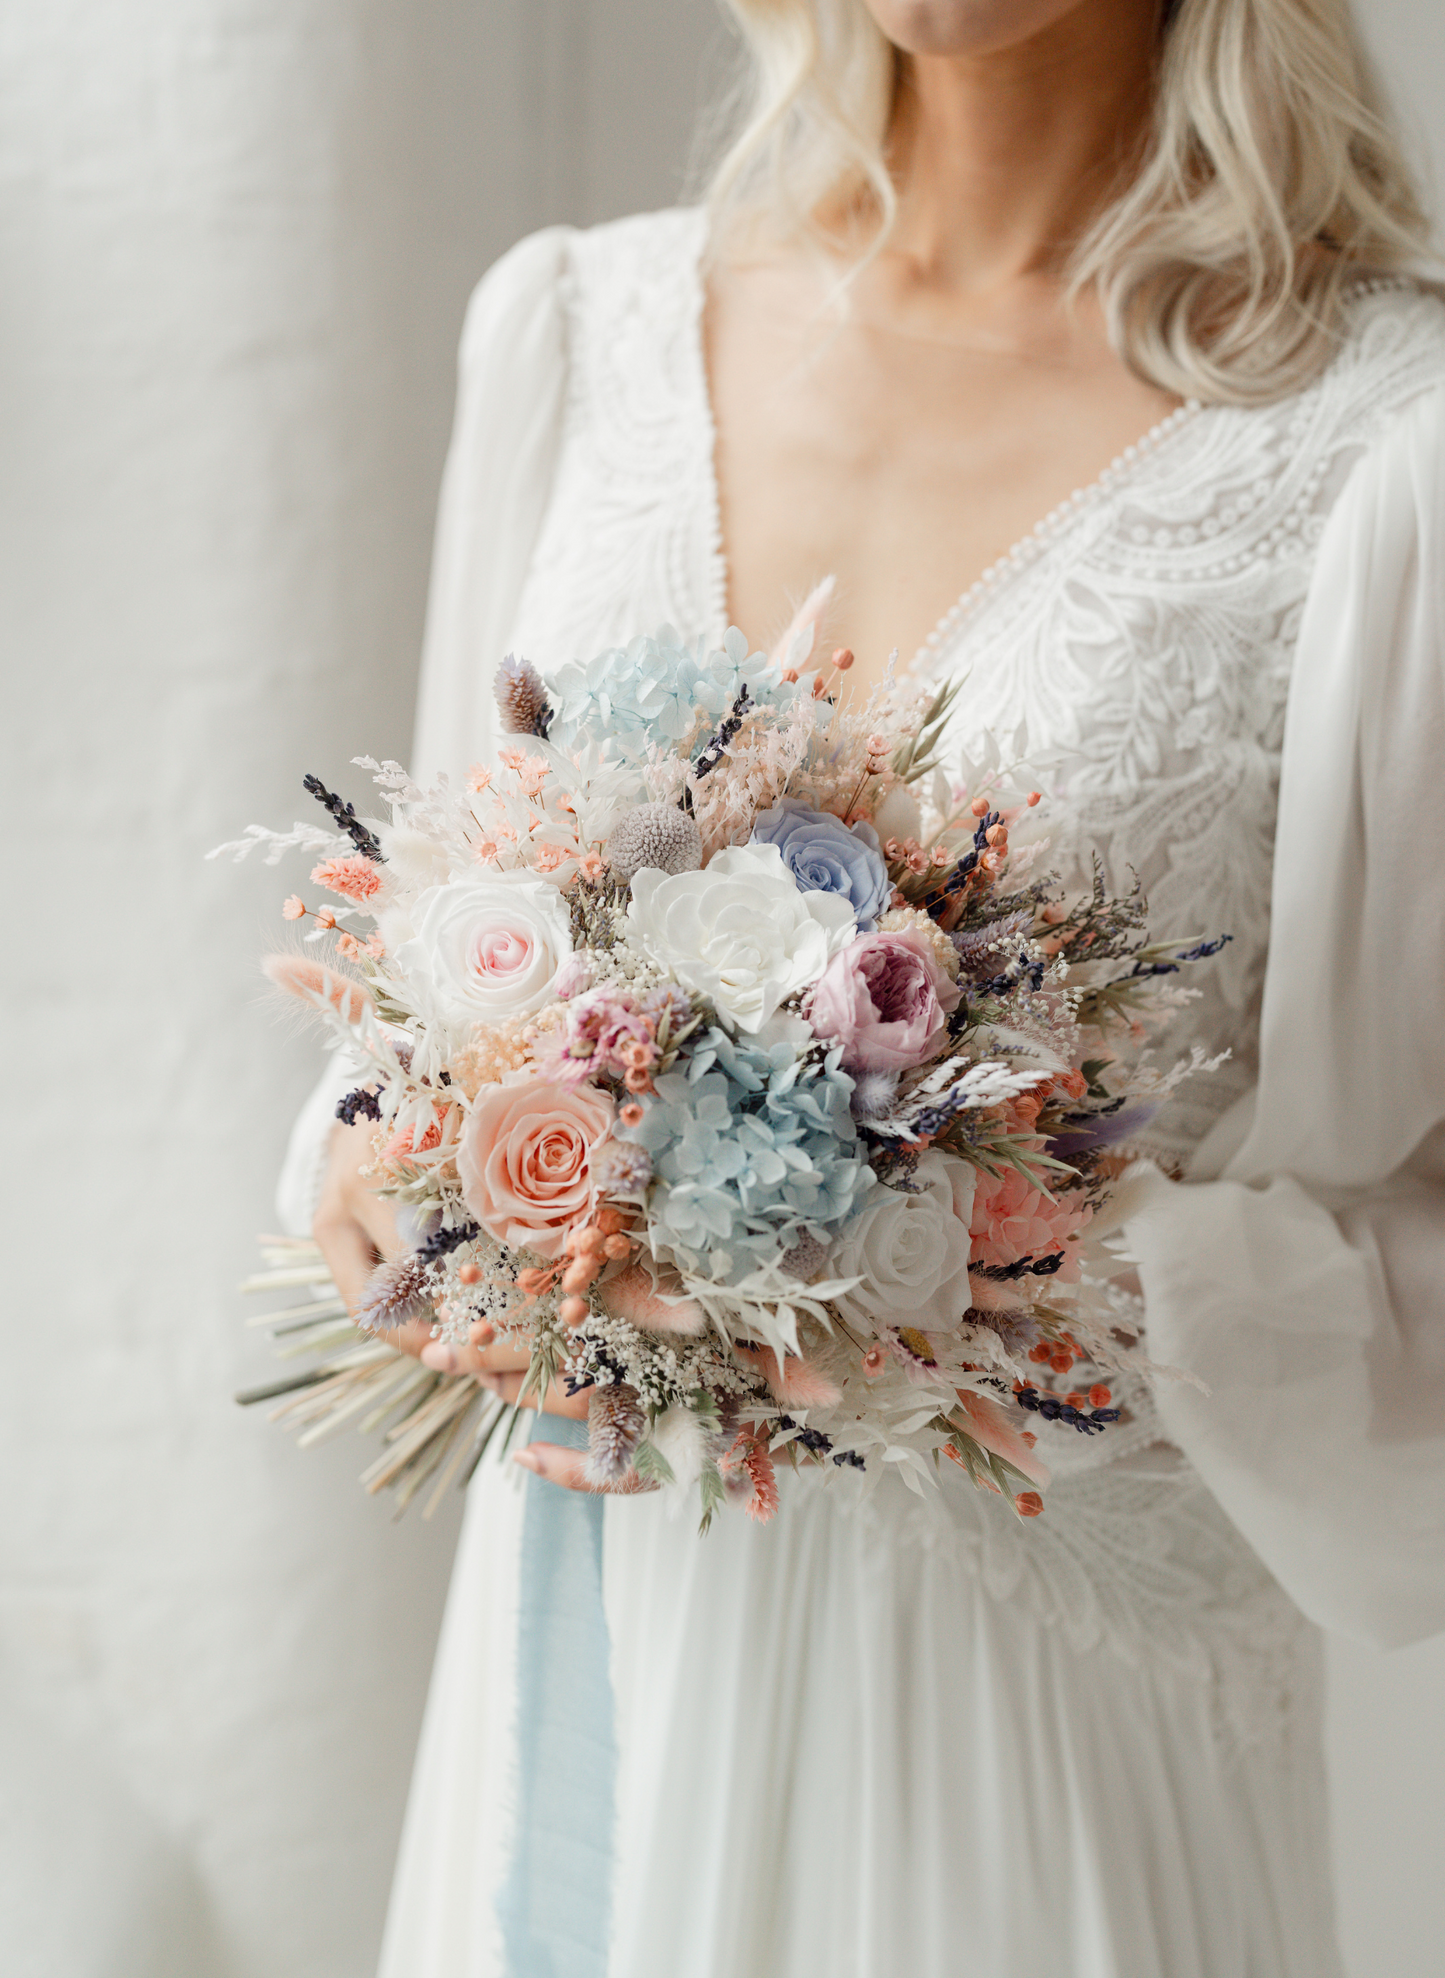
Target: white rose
486,948
739,932
911,1251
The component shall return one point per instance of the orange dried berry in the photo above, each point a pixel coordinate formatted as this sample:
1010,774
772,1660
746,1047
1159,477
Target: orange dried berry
1040,1353
1061,1362
578,1276
1028,1504
572,1311
1100,1396
469,1273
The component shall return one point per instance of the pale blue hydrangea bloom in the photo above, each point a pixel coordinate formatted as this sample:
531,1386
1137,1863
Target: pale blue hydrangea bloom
653,691
751,1147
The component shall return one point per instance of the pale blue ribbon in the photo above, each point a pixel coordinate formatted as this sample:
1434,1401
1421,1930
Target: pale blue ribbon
555,1905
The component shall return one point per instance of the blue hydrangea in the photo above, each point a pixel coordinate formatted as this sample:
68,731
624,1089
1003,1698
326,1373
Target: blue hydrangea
825,855
752,1147
653,691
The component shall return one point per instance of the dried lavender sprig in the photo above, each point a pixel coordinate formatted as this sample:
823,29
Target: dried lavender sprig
442,1242
345,819
711,753
359,1104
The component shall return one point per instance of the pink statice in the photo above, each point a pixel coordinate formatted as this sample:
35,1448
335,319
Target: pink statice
1012,1219
356,879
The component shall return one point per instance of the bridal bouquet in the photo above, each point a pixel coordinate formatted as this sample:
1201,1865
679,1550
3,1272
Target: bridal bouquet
744,1066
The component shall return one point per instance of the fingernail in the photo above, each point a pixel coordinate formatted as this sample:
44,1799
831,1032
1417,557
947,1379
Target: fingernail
529,1460
440,1356
482,1333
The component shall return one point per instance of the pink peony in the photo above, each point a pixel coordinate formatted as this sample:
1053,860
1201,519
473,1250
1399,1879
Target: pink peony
885,1000
1012,1220
525,1158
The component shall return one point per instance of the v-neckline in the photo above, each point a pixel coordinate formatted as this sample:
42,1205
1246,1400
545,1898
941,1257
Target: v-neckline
1020,556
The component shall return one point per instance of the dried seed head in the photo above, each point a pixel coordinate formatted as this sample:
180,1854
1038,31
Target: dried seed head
614,1425
657,835
394,1295
522,698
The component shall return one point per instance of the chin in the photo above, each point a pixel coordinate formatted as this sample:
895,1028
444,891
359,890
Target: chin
965,27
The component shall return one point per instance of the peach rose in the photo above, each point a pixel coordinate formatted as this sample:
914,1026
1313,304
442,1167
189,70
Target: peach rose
525,1159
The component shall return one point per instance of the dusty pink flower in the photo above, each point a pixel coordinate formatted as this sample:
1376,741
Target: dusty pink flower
1011,1219
884,999
325,917
293,907
525,1157
354,878
348,947
478,778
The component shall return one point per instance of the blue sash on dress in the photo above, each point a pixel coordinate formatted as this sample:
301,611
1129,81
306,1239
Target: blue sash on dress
555,1905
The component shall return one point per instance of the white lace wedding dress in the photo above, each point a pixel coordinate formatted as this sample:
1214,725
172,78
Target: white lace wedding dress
882,1737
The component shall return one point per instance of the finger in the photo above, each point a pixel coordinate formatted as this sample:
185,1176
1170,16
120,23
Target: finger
378,1218
348,1252
444,1356
557,1401
414,1337
565,1467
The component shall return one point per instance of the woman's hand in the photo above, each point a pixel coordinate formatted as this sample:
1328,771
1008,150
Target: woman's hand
501,1370
354,1226
356,1230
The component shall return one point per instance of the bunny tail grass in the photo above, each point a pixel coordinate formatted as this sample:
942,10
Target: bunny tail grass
309,980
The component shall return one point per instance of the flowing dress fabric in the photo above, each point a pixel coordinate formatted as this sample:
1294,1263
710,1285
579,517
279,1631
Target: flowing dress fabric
886,1734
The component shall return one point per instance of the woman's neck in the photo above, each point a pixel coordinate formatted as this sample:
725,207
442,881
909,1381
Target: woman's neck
1003,158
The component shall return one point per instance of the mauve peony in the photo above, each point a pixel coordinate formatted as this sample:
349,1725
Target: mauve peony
825,855
525,1159
487,948
884,1001
739,932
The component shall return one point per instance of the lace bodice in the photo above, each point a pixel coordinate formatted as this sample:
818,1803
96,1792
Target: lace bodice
1137,644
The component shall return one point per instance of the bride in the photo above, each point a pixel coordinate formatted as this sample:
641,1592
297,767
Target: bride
1141,270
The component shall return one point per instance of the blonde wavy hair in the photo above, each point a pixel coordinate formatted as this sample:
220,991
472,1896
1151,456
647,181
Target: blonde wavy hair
1273,179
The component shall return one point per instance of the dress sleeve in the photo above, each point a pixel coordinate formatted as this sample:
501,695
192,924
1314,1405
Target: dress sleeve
1304,1279
510,401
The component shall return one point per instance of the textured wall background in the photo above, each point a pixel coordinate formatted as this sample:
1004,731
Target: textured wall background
237,238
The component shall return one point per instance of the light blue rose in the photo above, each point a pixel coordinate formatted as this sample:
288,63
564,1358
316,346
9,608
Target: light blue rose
825,855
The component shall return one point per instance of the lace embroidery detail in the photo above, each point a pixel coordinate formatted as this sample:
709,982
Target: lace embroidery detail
1140,640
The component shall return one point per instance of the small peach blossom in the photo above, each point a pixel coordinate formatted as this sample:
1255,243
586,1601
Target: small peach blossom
293,907
348,947
479,778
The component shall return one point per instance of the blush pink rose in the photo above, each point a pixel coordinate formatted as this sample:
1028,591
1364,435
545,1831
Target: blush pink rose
885,1000
525,1159
1012,1220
